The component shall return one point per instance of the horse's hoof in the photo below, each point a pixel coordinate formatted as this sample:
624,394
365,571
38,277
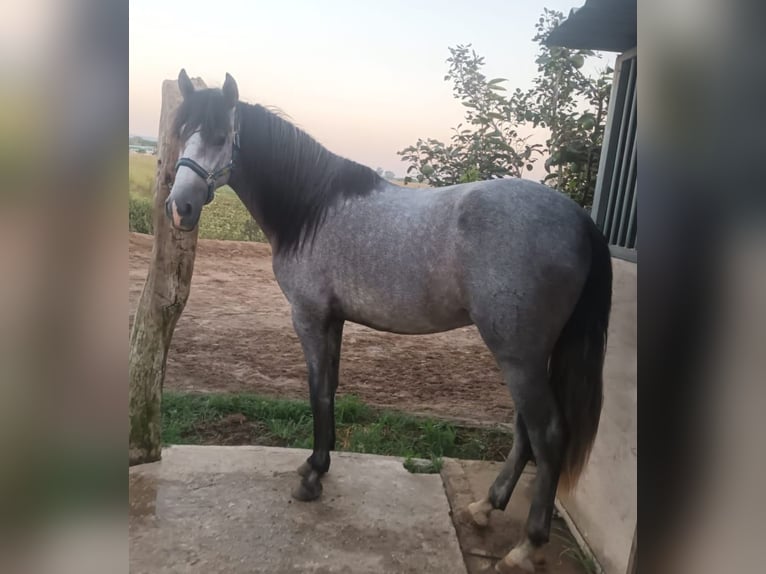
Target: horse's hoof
510,567
518,560
479,512
305,469
307,490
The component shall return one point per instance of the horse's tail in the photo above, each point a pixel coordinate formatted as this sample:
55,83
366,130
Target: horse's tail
576,364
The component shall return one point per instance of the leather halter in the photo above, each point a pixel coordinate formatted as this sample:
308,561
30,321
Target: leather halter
211,177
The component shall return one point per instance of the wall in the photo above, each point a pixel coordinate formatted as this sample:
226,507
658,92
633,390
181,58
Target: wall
603,507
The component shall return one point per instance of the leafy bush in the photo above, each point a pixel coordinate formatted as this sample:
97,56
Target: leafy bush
252,232
140,214
568,104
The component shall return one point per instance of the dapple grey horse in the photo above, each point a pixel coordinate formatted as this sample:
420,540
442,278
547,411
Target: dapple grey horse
519,260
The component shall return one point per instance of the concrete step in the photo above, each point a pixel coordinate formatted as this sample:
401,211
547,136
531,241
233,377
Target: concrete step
212,509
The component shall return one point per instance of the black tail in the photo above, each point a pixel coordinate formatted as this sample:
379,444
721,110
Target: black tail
577,361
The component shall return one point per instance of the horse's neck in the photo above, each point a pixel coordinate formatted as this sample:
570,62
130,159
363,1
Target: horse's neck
289,182
248,195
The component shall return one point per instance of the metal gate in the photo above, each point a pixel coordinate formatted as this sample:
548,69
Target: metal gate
614,203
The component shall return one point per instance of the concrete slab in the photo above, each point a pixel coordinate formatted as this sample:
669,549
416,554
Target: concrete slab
228,509
467,481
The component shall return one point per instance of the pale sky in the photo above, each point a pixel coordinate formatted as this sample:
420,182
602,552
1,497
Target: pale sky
364,78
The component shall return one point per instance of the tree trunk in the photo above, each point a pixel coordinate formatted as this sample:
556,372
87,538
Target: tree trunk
162,299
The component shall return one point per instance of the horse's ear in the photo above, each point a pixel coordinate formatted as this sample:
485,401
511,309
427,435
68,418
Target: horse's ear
185,84
230,91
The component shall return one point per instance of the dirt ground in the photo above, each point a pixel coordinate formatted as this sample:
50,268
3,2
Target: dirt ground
235,335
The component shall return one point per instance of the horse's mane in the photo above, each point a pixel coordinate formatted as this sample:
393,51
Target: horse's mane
294,180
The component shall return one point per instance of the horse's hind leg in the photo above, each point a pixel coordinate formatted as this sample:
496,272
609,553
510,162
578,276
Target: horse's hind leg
501,490
536,405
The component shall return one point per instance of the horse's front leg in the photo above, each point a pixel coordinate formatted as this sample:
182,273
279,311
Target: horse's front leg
318,335
334,338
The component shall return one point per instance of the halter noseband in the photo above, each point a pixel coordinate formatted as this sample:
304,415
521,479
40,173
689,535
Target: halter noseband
211,177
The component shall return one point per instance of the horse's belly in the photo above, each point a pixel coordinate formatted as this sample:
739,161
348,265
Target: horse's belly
393,316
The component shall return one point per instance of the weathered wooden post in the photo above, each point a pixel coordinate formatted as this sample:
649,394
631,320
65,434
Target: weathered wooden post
162,299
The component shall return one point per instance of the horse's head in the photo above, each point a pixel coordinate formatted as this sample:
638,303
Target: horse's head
206,126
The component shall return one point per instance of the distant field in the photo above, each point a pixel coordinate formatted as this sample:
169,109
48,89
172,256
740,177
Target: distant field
142,169
412,184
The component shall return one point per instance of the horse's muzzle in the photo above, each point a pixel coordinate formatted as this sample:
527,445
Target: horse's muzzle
179,215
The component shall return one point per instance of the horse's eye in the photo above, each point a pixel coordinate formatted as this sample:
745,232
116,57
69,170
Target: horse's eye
219,140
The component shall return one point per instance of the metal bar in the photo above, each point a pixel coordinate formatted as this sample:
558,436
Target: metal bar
618,166
618,114
627,137
614,183
631,236
629,188
602,177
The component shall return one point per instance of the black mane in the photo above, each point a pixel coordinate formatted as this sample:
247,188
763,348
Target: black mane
293,178
285,177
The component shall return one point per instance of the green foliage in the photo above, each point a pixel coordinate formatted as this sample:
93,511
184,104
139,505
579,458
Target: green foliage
350,409
419,466
471,174
572,106
563,100
297,432
487,145
251,231
573,551
140,214
227,218
359,427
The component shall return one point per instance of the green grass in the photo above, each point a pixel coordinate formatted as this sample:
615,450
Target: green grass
573,551
224,218
432,466
189,418
140,213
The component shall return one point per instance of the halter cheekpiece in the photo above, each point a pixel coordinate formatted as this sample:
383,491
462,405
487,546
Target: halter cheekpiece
211,177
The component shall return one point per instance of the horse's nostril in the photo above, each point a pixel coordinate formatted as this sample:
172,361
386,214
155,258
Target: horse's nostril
184,209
